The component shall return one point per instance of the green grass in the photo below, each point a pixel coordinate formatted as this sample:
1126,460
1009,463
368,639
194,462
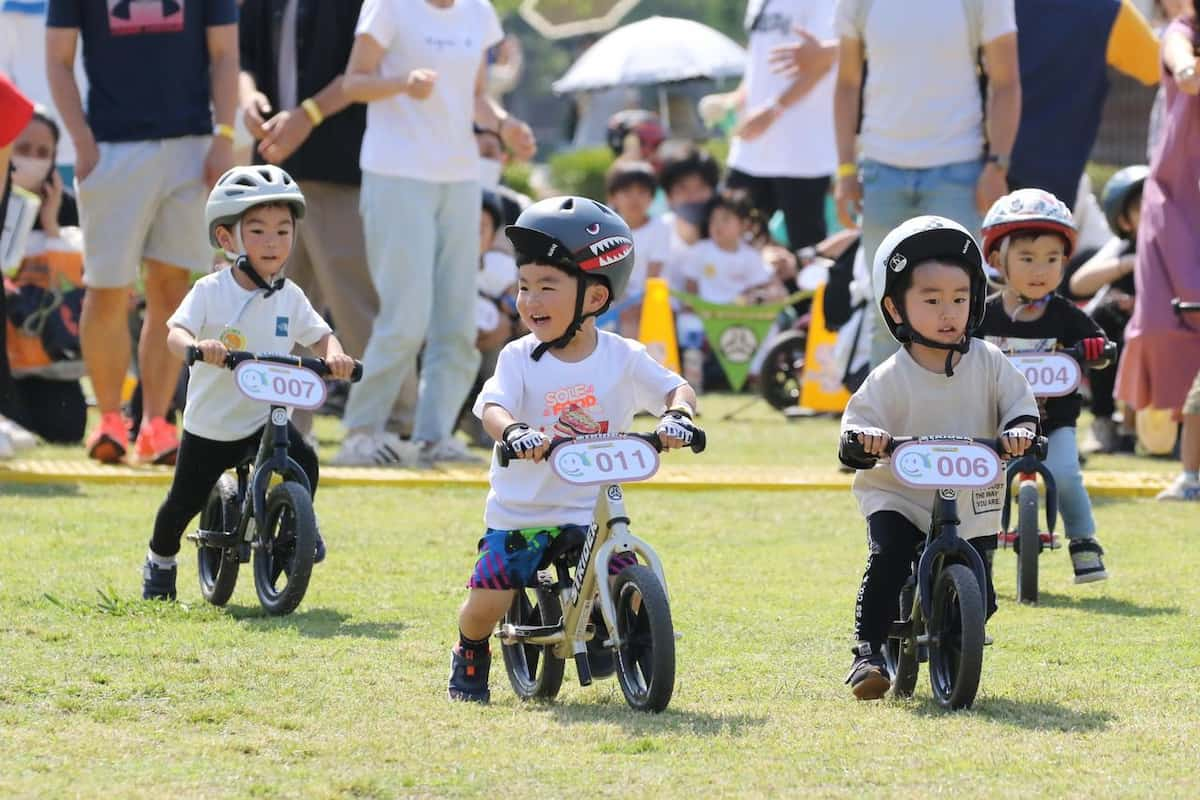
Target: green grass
1091,694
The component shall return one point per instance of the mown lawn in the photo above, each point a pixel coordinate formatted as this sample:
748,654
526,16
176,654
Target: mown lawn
1091,694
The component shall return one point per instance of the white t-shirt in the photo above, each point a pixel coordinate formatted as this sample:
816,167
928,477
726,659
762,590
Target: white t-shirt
430,139
599,394
903,398
217,308
499,271
651,242
921,102
722,276
800,143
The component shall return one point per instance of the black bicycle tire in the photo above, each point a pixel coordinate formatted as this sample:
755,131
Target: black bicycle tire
217,567
956,660
1029,544
548,668
903,665
288,494
770,387
647,676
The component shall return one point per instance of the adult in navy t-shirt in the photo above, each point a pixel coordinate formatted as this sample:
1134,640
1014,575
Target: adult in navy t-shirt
146,62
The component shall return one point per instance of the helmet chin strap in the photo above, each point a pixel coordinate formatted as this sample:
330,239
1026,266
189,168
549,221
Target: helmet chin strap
904,330
242,262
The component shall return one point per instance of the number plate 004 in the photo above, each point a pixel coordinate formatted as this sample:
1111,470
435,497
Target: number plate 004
604,459
1049,374
945,465
280,384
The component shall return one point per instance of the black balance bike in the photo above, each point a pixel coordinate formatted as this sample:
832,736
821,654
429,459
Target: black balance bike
249,515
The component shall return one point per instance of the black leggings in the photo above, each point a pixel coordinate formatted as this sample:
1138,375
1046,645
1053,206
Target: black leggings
198,465
802,201
893,544
54,410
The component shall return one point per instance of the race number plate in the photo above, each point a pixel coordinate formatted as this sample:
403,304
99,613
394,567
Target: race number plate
1049,374
945,465
280,384
604,459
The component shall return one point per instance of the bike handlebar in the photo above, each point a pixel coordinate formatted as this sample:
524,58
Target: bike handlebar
1107,356
1184,307
505,454
235,357
854,449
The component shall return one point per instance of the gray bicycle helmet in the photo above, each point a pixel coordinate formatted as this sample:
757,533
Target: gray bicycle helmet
242,188
583,238
1119,190
909,245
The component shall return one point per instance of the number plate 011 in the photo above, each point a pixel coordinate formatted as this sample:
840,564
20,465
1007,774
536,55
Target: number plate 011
1049,374
945,465
604,459
280,384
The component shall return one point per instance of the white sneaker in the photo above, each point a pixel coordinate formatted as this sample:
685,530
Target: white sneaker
6,448
18,437
1181,489
451,450
376,450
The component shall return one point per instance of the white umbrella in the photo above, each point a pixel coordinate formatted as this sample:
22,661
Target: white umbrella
653,51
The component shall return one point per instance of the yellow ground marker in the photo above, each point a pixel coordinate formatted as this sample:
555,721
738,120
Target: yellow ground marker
678,477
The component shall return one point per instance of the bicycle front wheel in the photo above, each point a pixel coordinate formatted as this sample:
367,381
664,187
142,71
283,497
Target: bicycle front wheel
283,560
956,637
646,657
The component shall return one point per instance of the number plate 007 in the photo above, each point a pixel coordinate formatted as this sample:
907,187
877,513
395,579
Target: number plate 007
945,465
606,459
280,384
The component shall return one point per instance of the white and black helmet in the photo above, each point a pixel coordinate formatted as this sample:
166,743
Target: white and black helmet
242,188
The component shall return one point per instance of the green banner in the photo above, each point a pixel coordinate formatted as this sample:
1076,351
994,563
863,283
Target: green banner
735,332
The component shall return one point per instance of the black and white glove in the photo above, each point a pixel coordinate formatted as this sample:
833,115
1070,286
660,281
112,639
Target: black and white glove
676,424
1018,433
521,439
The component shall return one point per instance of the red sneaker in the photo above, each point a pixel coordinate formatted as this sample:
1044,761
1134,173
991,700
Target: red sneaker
109,440
157,442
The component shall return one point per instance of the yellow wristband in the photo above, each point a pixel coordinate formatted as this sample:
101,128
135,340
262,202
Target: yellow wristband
224,130
847,170
314,111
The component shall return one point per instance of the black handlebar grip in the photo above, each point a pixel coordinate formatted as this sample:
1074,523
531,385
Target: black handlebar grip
503,454
699,441
357,373
192,355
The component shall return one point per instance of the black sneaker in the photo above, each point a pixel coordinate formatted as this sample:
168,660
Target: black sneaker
469,675
158,583
600,658
1086,558
319,556
868,674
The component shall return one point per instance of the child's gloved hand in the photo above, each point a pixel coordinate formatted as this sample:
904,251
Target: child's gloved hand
525,442
1017,440
341,366
675,429
874,441
213,352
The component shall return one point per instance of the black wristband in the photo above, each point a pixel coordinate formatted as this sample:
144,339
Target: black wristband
511,427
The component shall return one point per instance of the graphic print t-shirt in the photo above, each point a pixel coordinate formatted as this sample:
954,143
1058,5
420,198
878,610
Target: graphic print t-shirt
599,394
146,63
1062,325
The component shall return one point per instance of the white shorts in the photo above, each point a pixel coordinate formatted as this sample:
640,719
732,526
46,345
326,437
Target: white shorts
144,200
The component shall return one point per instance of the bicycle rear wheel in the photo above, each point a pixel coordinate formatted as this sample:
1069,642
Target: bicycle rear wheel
286,546
646,657
218,566
533,670
900,652
956,637
783,370
1029,543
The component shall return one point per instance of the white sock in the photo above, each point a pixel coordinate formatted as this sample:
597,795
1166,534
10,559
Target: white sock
1191,476
162,562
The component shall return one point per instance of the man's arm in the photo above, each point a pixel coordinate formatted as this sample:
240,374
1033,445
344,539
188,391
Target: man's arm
60,74
223,73
1003,116
846,93
489,114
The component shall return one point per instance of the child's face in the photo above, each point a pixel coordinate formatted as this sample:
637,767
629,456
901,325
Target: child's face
938,303
546,299
632,203
725,228
1034,266
267,233
689,189
487,232
1132,217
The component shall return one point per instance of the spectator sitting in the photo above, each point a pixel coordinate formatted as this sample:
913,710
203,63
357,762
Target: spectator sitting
689,177
1107,278
46,295
631,186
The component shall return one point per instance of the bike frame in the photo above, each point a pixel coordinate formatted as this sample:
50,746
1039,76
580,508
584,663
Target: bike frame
943,545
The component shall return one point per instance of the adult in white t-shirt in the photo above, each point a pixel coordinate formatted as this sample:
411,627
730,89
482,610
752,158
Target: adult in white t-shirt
420,66
922,145
783,148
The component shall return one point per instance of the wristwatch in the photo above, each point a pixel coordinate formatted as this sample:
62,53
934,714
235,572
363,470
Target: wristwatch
1186,73
1001,161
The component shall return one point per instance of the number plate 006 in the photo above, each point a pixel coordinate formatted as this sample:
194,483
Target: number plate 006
604,459
945,465
280,384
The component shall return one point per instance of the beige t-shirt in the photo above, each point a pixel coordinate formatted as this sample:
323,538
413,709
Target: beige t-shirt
986,394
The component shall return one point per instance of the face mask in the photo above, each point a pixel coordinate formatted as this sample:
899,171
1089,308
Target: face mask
691,212
489,173
31,173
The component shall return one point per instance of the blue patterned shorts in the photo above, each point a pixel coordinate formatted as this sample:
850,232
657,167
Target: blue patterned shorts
511,559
